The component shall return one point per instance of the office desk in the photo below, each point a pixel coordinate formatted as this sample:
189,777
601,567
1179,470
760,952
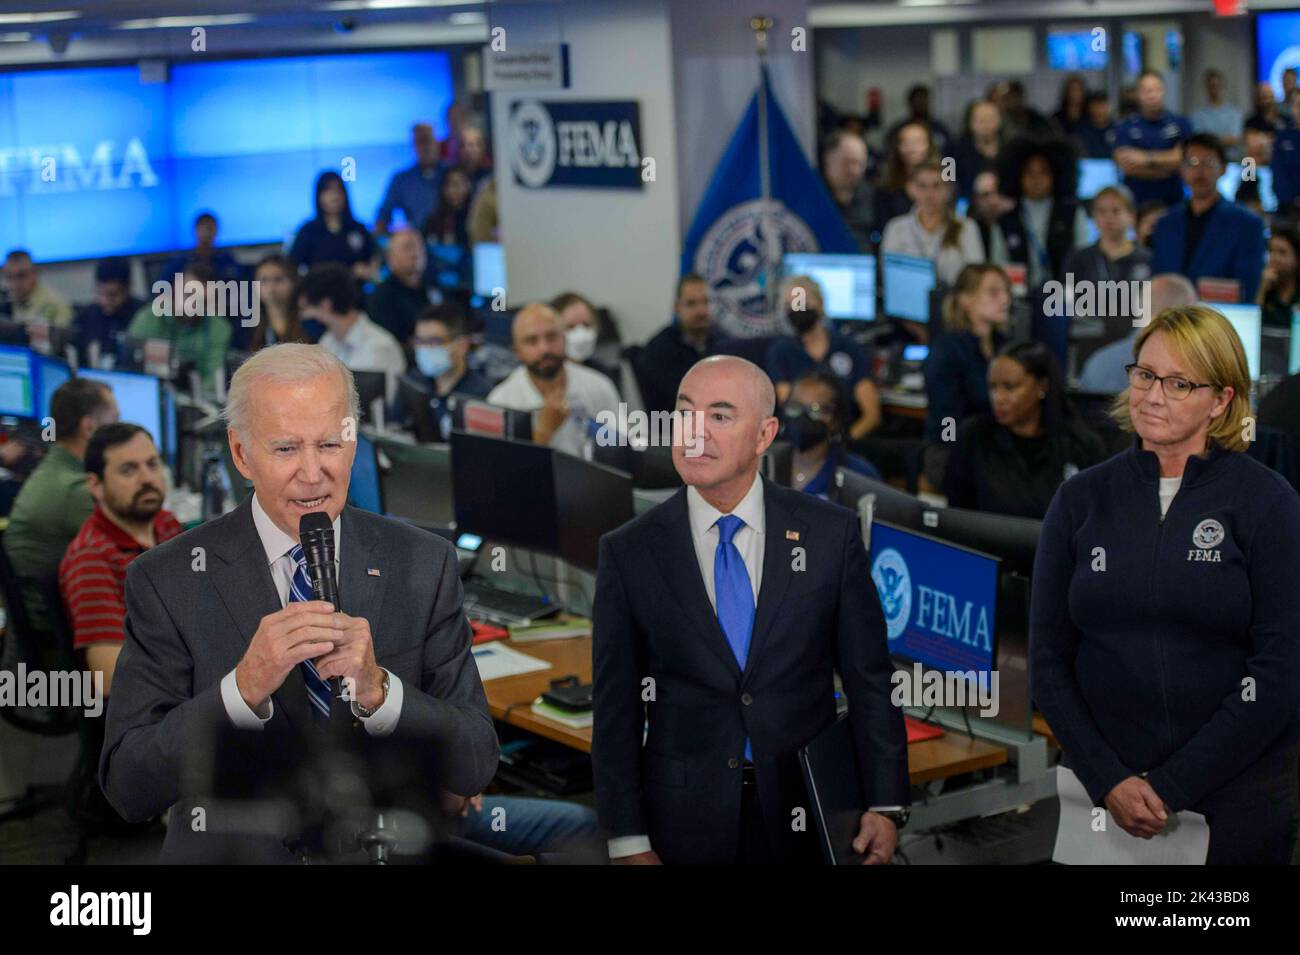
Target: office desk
904,404
950,755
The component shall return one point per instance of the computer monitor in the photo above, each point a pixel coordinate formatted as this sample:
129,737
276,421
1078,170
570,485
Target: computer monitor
847,282
18,389
448,266
416,486
416,398
489,268
908,281
364,489
50,374
475,416
1230,183
1246,320
590,500
1094,176
505,491
777,463
371,386
888,503
139,400
1293,364
1012,539
939,600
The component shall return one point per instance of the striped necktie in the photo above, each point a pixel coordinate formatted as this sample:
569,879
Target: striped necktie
318,691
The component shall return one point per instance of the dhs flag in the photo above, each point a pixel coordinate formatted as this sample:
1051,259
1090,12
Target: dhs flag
739,236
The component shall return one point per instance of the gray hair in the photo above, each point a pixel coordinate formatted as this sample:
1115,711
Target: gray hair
284,363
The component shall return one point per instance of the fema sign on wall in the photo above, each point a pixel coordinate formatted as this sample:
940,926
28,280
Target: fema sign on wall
584,145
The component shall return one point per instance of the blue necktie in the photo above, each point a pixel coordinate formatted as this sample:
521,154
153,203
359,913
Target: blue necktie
318,691
734,594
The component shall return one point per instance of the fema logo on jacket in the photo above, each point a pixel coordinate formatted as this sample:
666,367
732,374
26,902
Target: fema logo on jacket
1207,537
894,585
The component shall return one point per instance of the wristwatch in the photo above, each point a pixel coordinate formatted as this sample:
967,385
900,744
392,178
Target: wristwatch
898,817
366,713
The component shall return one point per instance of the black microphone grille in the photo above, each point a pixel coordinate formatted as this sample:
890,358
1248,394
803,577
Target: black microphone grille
315,524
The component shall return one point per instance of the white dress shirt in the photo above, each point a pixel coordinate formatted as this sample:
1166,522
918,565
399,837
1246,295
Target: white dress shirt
749,540
369,347
277,544
587,393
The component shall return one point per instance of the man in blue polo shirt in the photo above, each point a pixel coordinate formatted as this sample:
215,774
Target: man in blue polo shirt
1147,145
1207,236
413,190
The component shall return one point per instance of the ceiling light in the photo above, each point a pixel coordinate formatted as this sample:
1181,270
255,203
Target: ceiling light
47,17
162,23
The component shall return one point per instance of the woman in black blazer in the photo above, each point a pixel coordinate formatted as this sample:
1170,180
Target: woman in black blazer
1165,611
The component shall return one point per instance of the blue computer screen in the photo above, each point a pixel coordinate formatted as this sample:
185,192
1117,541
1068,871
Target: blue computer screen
363,487
489,268
848,282
1230,182
940,601
139,401
1095,175
50,374
1076,50
245,139
17,387
1246,321
1277,46
908,280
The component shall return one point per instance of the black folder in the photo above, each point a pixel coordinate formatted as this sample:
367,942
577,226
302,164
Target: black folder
830,771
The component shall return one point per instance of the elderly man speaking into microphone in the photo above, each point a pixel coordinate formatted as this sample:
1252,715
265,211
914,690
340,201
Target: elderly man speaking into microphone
221,627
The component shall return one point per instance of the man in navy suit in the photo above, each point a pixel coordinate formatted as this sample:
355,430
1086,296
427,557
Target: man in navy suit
720,618
1207,236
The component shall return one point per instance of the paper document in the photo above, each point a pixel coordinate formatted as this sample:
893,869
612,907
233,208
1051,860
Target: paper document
495,661
1185,841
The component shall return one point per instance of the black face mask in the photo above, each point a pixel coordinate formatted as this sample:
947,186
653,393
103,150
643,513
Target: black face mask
804,431
803,321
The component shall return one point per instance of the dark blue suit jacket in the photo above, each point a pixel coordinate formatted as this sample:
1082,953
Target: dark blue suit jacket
1231,248
682,786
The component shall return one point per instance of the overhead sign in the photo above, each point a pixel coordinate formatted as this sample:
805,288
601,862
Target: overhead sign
526,68
584,145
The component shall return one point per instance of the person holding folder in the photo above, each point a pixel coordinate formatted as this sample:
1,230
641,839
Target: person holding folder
719,620
1164,621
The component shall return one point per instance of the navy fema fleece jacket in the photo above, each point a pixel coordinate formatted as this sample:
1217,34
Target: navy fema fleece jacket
1140,666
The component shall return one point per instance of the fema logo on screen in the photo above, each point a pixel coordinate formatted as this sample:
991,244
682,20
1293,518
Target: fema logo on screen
532,138
733,254
894,585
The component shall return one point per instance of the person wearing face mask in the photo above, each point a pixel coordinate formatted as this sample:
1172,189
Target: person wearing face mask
582,336
1047,221
812,421
566,396
1162,625
441,351
1012,460
975,314
815,345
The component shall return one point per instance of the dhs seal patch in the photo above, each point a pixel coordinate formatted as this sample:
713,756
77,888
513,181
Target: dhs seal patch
894,585
731,256
1208,533
532,144
840,363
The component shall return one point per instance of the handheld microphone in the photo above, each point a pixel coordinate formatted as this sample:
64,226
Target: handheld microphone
316,534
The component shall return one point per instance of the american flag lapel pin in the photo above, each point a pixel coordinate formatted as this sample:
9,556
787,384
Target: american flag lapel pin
792,535
373,572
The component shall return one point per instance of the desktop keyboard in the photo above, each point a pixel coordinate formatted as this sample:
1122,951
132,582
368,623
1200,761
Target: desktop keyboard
505,607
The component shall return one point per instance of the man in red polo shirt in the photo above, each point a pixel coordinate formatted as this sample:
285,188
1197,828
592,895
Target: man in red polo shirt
125,477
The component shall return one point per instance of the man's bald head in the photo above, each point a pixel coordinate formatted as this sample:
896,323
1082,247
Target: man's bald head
753,380
727,405
539,340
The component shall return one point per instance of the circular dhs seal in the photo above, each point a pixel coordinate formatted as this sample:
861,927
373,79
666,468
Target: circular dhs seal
731,255
1208,533
894,585
532,144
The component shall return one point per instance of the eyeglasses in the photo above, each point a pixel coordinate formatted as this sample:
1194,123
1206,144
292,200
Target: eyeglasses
816,411
1174,387
1191,162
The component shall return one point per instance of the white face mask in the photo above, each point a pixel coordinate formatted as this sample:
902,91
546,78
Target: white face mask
580,342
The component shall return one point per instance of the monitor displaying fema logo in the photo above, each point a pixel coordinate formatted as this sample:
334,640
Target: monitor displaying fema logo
584,145
939,600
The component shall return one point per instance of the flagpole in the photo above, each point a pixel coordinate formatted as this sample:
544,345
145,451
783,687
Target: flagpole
761,25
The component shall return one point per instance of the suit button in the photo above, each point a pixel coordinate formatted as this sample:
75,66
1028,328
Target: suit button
733,763
746,699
